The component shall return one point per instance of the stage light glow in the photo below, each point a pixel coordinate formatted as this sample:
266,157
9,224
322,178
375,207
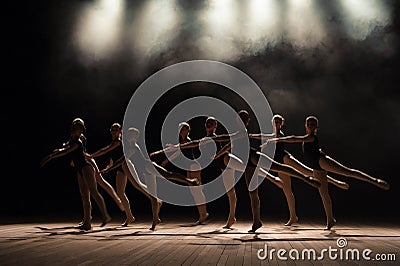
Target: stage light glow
219,29
304,27
262,21
99,28
362,16
155,27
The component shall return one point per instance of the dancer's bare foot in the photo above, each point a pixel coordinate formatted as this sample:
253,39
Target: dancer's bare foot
229,223
330,224
82,222
106,221
382,184
155,223
292,221
202,219
256,225
84,226
128,221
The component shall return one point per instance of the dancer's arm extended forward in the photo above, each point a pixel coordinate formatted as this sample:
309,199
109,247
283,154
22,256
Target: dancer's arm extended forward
196,143
59,153
261,136
104,150
290,139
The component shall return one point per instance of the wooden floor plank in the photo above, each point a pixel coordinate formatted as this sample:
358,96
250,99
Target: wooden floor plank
181,243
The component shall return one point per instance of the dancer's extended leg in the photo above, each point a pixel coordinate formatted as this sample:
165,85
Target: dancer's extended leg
333,166
290,160
266,162
106,186
173,175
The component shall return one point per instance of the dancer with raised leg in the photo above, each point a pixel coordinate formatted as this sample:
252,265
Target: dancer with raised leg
237,164
284,157
322,164
218,167
85,173
138,165
193,173
99,177
115,151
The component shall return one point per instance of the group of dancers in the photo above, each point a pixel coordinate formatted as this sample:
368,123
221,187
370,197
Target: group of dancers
135,167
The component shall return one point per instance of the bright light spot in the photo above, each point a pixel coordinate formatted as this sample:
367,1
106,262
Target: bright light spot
263,21
219,23
304,26
99,28
156,26
362,16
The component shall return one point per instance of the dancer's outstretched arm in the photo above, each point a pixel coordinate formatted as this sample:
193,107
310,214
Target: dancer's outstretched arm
290,139
115,165
197,143
171,158
224,150
104,150
261,136
58,153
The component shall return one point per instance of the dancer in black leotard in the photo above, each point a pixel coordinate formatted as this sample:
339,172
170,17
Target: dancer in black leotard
99,177
194,173
85,172
139,166
115,152
322,163
237,164
284,157
218,167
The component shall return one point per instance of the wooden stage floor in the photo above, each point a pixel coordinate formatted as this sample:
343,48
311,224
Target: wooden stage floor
180,243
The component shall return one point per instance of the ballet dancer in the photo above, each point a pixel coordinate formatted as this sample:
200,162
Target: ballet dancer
99,178
218,167
137,165
263,161
115,151
85,173
321,164
284,157
194,173
228,172
250,166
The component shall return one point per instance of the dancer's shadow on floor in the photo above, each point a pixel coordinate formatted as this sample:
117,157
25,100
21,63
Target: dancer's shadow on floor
54,228
72,230
194,224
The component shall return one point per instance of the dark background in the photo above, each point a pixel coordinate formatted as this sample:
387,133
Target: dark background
351,85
